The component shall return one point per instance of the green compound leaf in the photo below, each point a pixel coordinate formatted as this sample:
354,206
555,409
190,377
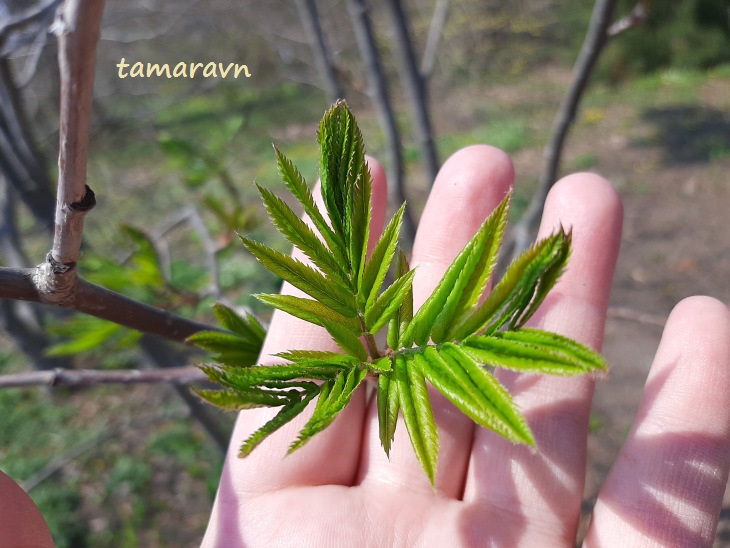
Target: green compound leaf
241,348
247,327
287,413
462,283
388,408
474,390
301,236
379,263
445,344
298,187
328,292
415,406
522,289
532,350
333,398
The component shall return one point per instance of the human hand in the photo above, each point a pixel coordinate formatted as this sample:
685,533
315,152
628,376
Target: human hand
665,488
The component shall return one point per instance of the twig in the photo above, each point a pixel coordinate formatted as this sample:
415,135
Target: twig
20,284
637,17
309,15
428,61
624,313
417,89
378,91
79,33
88,377
593,44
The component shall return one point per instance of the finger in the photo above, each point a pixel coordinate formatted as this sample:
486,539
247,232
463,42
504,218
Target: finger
331,456
21,523
667,485
546,486
468,188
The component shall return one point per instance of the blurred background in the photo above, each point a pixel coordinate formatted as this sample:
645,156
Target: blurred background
173,162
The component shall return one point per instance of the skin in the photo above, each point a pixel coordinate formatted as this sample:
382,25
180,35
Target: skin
665,488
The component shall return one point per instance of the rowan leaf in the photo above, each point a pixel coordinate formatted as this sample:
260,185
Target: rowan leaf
229,348
531,350
386,306
415,406
334,397
474,390
287,413
380,260
326,291
301,236
388,408
309,310
247,327
300,190
461,285
529,277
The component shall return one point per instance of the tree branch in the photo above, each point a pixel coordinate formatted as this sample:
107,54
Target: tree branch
378,92
80,21
438,21
87,377
21,284
595,39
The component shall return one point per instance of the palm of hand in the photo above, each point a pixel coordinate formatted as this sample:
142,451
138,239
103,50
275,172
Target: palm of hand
341,490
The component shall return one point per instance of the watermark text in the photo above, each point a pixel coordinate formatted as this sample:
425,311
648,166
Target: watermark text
182,70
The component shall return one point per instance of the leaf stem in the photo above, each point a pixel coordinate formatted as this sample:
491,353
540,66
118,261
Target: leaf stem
370,343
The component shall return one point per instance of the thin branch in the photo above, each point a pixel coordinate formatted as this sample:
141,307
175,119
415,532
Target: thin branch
428,61
378,91
595,39
417,89
309,14
20,284
79,24
635,18
88,377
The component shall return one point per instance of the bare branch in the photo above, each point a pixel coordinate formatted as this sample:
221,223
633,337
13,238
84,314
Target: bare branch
309,15
378,91
20,283
87,377
428,61
636,18
417,89
79,33
595,39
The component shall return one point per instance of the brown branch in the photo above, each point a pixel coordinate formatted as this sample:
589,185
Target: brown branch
20,284
593,44
80,21
378,92
88,377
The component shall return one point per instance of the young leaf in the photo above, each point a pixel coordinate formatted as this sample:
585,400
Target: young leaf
309,310
229,349
287,413
240,399
515,291
385,306
417,414
534,351
298,187
462,283
379,262
388,408
474,390
399,323
333,398
247,328
328,292
301,236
